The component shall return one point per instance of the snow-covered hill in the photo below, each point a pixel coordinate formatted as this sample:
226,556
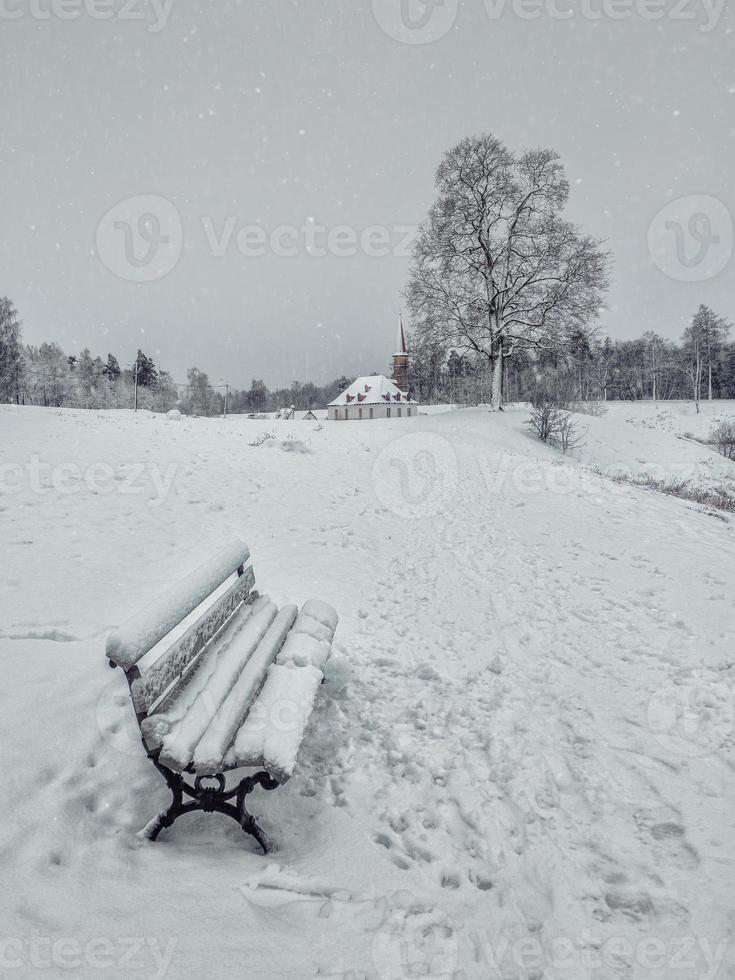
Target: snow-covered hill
521,764
663,440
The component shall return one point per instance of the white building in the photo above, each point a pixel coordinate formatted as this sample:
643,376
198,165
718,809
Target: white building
372,397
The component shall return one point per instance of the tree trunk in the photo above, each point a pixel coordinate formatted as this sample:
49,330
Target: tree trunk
497,391
654,375
709,383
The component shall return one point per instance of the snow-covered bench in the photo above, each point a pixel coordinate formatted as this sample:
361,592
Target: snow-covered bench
222,680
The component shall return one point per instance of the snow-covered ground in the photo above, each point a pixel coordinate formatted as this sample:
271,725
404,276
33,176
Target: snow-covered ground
521,765
640,446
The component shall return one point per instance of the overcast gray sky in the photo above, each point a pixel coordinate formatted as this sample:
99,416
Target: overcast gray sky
321,114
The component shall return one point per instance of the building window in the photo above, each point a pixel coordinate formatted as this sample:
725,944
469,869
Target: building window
387,412
371,411
400,411
359,411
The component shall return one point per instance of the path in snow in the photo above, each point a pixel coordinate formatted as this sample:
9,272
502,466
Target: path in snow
495,759
506,747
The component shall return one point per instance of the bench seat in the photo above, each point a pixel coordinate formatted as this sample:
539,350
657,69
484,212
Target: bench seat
250,701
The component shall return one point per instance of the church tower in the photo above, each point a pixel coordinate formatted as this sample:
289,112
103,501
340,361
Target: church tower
400,359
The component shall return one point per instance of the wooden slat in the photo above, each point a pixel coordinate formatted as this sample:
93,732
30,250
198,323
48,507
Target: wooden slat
272,733
209,753
146,690
179,698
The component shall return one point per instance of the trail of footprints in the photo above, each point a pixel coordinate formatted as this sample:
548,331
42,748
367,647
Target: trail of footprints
454,779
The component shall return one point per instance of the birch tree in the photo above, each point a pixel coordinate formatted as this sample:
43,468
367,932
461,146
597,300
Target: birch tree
654,352
693,359
496,268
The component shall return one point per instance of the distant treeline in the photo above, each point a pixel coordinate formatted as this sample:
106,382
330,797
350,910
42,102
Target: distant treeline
47,375
701,365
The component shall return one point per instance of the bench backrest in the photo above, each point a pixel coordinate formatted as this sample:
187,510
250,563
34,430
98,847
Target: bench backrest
132,641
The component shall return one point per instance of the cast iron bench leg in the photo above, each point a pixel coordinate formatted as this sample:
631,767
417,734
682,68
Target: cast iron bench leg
210,799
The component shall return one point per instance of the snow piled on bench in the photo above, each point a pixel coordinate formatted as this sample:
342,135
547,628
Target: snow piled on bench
135,638
209,753
310,641
179,744
197,723
275,725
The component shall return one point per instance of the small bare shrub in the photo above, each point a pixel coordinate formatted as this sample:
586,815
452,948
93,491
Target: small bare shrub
261,438
567,434
713,498
542,420
723,438
593,407
556,426
552,417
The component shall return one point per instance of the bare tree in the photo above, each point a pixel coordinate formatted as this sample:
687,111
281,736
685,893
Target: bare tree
693,360
655,347
601,367
496,268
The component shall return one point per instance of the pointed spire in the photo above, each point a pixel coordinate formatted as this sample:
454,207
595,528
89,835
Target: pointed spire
401,345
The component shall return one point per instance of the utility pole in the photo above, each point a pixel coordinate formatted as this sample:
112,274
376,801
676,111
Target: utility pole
227,395
136,383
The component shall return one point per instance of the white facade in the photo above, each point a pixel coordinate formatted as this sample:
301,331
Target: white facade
360,413
373,397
